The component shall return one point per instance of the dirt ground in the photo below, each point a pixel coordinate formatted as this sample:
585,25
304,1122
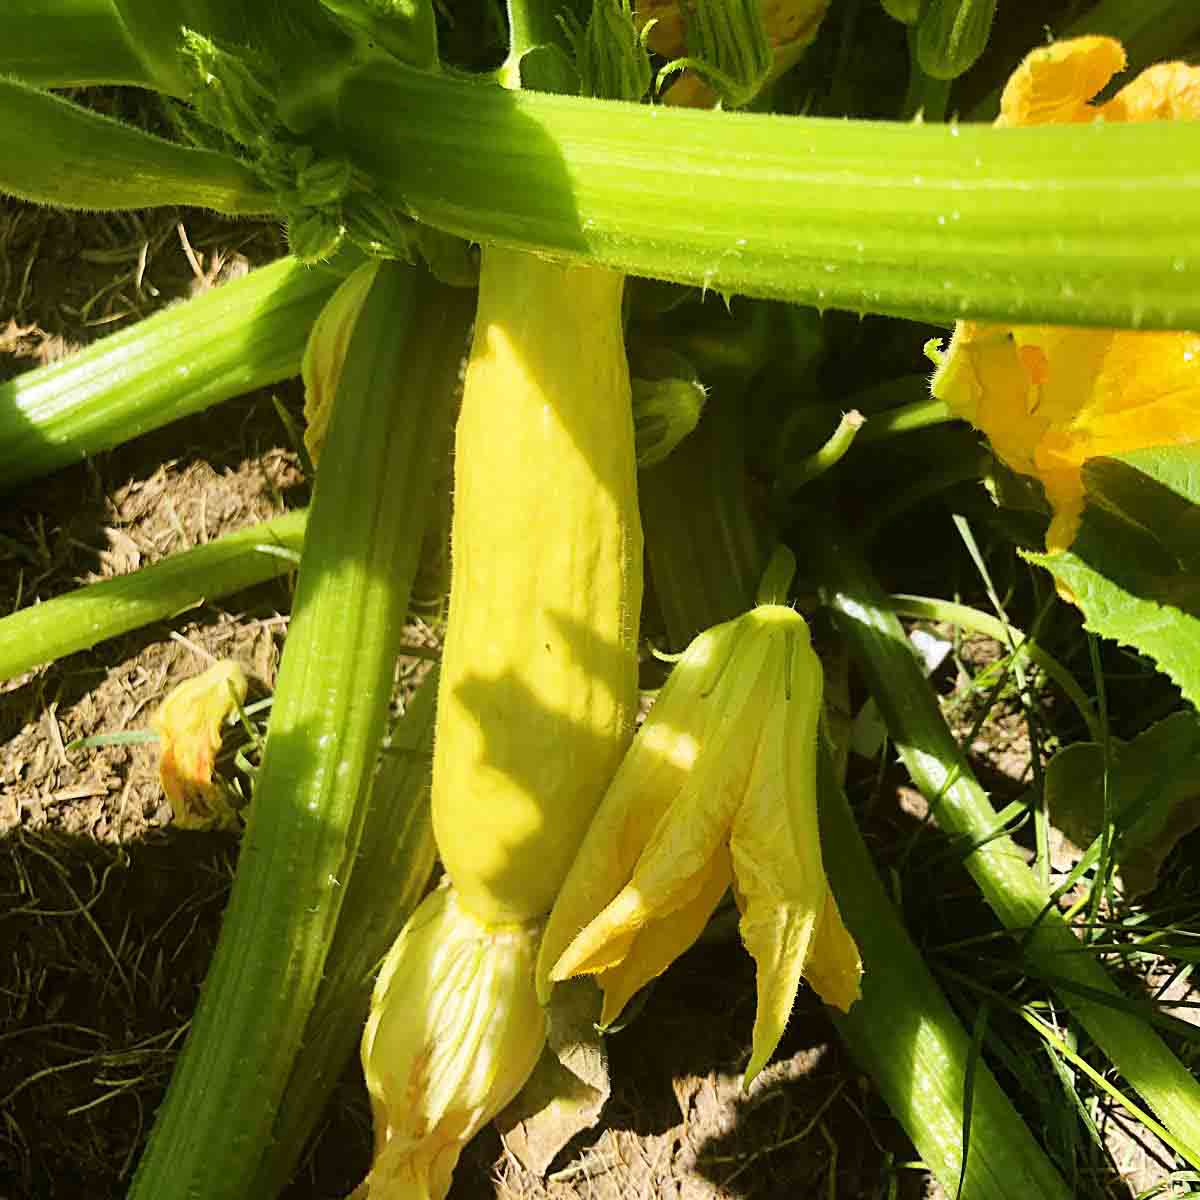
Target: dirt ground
108,916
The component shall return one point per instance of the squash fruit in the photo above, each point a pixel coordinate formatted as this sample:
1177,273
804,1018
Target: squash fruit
539,668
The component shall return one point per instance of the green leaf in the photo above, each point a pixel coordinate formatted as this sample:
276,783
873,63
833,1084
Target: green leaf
1134,568
1153,793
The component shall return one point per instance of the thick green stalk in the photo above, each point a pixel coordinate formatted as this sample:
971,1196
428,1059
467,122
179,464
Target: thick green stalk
389,878
331,699
703,547
230,340
906,1036
80,619
68,43
1086,224
1022,903
54,152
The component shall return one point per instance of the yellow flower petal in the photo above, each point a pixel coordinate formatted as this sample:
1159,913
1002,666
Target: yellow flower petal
657,945
1163,92
654,770
726,763
1050,398
455,1030
1055,83
835,971
189,723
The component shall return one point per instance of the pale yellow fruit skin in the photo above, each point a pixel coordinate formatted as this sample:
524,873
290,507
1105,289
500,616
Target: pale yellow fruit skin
539,669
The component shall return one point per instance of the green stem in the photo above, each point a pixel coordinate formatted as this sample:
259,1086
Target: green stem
792,478
531,23
1080,224
1022,903
54,152
705,552
904,1033
81,619
397,846
329,713
904,418
68,43
230,340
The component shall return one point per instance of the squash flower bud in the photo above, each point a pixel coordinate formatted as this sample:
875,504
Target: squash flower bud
1051,397
718,788
188,724
455,1030
665,411
730,50
612,62
952,34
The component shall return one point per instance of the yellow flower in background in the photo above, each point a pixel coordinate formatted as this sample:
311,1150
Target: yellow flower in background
189,723
1050,397
718,789
455,1030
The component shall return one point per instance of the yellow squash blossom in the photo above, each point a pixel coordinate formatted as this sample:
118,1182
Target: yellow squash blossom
188,724
455,1029
1049,398
718,788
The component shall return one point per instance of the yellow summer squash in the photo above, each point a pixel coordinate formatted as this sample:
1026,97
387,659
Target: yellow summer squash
539,671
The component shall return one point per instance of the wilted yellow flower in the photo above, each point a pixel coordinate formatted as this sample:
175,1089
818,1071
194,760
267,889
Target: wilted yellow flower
325,351
455,1030
188,724
718,788
1048,397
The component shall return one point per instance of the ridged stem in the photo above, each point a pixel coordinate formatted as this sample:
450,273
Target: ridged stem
904,1033
331,700
80,619
962,809
393,868
235,338
1086,224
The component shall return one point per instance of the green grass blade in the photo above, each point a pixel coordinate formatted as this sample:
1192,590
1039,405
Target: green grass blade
938,768
243,335
335,680
80,619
